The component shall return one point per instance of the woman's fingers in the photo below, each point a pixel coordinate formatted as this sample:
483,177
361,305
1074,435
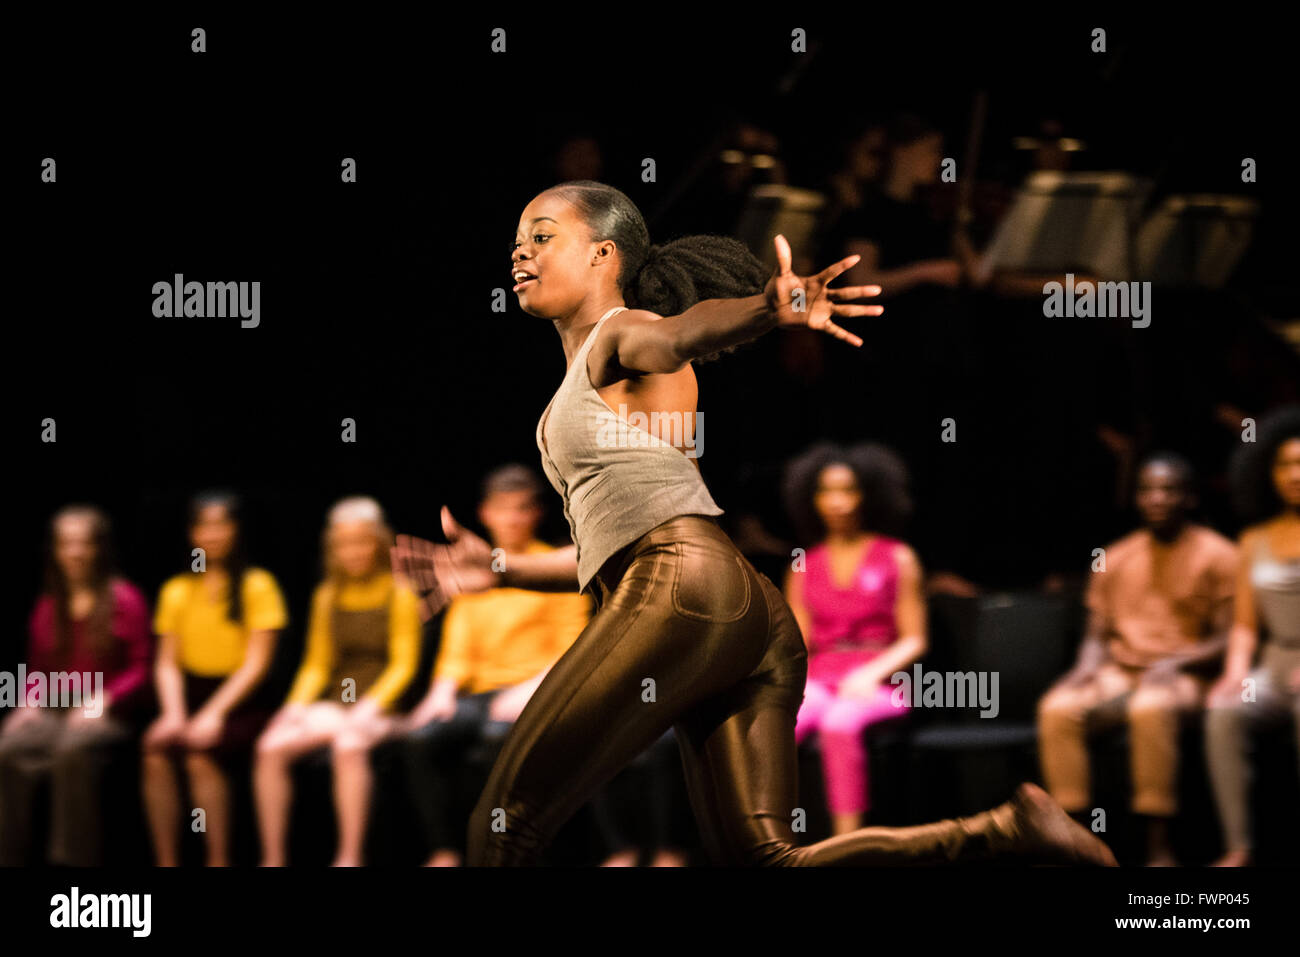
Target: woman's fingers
839,333
444,567
844,293
783,255
397,558
413,549
412,554
833,270
449,526
440,572
413,560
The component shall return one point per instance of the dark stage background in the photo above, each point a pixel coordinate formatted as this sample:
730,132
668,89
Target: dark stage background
376,296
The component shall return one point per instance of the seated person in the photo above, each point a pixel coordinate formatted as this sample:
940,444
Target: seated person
1157,628
88,621
217,629
858,602
497,646
363,646
1252,693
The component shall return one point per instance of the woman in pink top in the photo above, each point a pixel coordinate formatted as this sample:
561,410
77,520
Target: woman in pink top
857,597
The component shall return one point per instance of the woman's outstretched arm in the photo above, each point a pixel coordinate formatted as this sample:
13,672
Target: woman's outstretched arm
641,342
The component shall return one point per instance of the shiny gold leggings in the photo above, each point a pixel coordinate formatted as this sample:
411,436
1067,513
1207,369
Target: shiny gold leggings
687,635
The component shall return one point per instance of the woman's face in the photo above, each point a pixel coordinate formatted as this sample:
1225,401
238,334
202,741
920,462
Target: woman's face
356,548
1286,472
554,246
838,499
74,547
214,532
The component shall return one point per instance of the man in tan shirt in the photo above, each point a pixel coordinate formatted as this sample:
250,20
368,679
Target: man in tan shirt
1159,609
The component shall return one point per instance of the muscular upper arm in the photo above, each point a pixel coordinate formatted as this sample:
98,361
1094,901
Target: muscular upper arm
635,342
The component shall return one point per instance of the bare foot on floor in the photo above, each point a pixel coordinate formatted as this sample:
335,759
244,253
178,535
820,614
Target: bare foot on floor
1047,833
669,857
1234,859
622,859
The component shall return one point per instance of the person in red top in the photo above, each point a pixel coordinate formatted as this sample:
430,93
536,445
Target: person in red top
94,625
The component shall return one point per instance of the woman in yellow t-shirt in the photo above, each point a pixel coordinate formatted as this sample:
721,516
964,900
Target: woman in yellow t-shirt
217,627
363,646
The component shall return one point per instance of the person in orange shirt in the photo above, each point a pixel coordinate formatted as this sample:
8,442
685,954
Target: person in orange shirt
497,646
1158,623
363,646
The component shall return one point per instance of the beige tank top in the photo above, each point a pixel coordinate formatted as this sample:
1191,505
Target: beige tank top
1277,594
617,481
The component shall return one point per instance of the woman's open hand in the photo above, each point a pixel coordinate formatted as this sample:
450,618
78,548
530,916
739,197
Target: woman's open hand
437,573
806,300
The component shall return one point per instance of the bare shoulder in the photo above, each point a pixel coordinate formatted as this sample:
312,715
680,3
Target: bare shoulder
1217,543
906,559
630,315
603,367
620,324
1252,534
1128,545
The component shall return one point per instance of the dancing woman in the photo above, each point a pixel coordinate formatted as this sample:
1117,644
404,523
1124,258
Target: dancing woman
687,633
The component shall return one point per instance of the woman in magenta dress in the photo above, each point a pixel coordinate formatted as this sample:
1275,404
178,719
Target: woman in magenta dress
857,597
